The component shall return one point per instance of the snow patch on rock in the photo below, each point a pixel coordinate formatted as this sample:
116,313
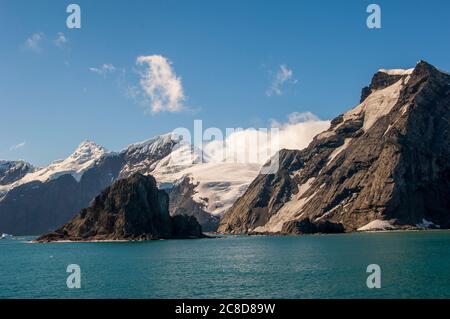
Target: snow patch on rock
290,211
376,105
377,224
338,150
397,71
427,224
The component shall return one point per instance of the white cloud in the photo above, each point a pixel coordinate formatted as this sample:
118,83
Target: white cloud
33,43
284,75
17,146
257,146
104,69
60,40
161,84
37,40
295,118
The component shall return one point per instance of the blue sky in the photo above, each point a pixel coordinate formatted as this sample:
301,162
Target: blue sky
225,55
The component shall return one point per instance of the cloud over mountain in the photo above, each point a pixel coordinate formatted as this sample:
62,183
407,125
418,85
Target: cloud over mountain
161,84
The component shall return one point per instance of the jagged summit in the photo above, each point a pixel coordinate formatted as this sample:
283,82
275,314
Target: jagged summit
89,146
87,151
154,142
83,158
11,171
386,77
384,164
142,157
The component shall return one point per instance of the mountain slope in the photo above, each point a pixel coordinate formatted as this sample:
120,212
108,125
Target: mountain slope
204,189
12,171
37,206
385,164
46,198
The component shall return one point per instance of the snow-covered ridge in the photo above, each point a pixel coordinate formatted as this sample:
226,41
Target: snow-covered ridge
10,166
84,157
152,145
377,104
217,184
4,164
397,71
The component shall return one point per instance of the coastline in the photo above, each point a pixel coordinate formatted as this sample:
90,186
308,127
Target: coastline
224,235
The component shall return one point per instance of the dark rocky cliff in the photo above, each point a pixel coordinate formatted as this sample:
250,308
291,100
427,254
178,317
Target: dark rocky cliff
385,164
131,209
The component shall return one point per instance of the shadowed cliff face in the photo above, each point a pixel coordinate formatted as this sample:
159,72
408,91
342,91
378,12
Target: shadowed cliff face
182,203
130,209
387,161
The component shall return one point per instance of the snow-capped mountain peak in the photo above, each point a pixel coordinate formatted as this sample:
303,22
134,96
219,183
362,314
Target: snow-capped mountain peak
86,152
83,158
397,71
143,156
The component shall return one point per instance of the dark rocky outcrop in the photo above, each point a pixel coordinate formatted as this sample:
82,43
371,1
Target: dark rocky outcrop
130,209
387,161
306,226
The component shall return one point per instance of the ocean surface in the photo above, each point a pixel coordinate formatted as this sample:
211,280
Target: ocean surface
413,265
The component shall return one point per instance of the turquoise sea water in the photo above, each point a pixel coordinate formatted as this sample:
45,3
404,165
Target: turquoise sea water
413,264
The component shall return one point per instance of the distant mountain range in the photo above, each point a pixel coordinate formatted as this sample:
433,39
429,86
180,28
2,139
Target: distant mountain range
383,165
39,200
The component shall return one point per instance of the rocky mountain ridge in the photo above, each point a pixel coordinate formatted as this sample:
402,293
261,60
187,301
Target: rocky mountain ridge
12,171
383,165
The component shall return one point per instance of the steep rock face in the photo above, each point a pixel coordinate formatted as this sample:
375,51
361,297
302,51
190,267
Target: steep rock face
130,209
386,162
182,203
143,157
